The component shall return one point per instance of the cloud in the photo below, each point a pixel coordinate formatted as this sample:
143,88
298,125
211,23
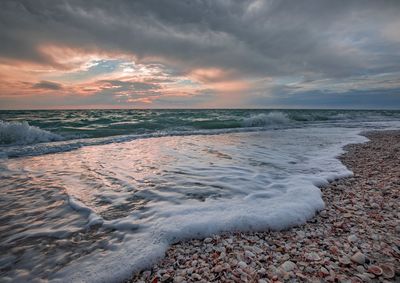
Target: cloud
254,37
46,85
129,85
250,47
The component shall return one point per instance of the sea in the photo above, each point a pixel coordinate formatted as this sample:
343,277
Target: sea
94,195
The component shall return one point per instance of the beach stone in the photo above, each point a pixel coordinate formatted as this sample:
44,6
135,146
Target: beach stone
196,276
262,271
375,237
375,205
257,250
313,256
301,234
249,254
309,269
242,264
358,258
334,250
344,260
285,257
354,280
352,238
190,270
288,266
364,277
179,279
218,268
324,271
360,269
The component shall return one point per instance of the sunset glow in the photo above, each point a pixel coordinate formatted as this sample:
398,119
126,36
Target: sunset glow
65,55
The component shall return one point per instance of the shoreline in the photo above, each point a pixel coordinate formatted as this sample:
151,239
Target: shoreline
354,239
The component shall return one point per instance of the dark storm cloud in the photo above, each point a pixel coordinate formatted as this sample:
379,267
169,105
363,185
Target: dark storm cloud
254,38
47,85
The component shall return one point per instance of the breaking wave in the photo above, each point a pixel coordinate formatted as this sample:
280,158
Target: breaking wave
69,130
270,119
16,133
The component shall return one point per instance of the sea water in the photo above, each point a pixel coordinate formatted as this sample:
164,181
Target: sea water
94,195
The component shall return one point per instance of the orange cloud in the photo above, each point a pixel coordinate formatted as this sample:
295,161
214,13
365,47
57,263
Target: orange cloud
72,59
128,82
220,80
210,74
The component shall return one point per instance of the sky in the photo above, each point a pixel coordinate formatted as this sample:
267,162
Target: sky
199,54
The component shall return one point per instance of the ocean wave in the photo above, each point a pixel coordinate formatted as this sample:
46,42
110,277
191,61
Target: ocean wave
21,139
270,119
21,133
18,150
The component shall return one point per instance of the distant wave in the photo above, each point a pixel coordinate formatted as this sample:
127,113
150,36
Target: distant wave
18,150
23,134
78,129
270,119
16,133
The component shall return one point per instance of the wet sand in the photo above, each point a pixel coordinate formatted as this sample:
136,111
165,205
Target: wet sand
355,239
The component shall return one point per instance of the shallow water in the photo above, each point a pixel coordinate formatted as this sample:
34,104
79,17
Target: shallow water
110,207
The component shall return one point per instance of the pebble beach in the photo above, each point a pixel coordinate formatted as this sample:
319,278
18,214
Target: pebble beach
356,238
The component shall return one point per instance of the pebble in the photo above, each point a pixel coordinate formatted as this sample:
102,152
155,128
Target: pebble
288,266
179,279
196,276
364,277
218,268
312,256
360,269
242,264
358,258
352,238
324,271
375,205
262,271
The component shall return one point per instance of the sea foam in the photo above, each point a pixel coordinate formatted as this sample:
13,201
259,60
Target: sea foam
271,119
267,187
142,195
21,133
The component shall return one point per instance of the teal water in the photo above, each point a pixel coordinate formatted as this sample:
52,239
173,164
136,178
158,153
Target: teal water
71,124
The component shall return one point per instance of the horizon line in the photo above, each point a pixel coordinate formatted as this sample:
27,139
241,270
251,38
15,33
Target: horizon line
85,109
